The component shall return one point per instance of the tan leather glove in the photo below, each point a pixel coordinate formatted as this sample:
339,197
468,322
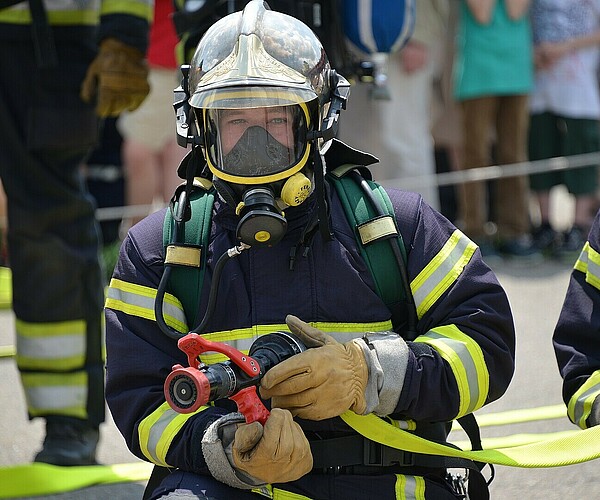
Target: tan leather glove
276,453
321,382
117,78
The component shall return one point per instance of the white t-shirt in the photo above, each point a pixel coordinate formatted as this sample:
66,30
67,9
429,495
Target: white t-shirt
570,87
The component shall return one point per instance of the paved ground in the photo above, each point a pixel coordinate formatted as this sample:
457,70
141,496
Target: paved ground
536,294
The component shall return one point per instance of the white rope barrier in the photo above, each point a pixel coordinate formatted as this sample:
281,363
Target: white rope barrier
116,213
416,182
495,172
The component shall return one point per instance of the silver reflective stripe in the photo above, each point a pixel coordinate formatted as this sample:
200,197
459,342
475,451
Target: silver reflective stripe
442,271
467,362
410,488
52,347
580,405
156,433
589,264
243,338
138,300
460,349
42,399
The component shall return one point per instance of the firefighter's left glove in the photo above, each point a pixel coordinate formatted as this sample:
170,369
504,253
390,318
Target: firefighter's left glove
276,453
249,455
321,382
117,78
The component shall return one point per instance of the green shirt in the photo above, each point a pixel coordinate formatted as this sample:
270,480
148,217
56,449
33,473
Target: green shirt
492,59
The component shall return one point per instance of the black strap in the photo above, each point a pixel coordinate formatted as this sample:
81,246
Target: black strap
356,450
478,485
43,40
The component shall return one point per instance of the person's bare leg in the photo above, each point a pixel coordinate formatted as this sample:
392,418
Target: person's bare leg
170,158
141,165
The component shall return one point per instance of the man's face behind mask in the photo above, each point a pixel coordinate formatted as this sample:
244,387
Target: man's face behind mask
256,142
256,151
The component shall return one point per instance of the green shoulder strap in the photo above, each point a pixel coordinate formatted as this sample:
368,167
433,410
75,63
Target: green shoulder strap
188,254
372,230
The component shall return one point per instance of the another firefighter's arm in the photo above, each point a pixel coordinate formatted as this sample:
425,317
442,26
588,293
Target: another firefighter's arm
117,79
127,21
576,336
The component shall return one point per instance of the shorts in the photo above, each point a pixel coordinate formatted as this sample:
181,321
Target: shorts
153,123
550,136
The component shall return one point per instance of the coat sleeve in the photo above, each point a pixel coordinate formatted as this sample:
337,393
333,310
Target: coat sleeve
576,337
126,20
463,355
140,357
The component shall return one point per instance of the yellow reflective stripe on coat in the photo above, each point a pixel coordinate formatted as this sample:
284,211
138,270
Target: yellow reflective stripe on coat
589,264
443,270
410,487
71,12
466,359
59,344
56,393
268,491
157,431
138,300
580,405
242,338
406,488
138,8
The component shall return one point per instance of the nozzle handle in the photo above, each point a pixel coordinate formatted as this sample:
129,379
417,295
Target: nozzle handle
250,405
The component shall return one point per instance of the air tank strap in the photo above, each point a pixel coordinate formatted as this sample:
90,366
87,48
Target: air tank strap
43,39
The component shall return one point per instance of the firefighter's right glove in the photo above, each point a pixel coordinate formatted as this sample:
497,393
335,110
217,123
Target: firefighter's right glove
321,382
249,455
117,78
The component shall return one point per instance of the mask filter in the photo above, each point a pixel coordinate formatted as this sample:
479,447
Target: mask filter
261,222
296,189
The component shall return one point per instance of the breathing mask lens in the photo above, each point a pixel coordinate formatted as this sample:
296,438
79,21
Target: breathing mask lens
256,145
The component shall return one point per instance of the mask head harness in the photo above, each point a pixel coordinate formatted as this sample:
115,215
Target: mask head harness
262,104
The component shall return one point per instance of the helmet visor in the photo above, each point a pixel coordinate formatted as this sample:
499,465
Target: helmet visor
253,145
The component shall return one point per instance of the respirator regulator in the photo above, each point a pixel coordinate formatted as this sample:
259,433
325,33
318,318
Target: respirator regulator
256,156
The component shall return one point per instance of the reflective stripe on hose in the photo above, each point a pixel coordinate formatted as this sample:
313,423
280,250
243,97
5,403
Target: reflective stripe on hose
43,479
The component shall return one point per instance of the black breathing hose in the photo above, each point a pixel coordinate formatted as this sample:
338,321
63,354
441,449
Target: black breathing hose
214,288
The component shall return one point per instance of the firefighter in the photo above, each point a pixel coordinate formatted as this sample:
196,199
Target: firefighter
64,65
263,102
575,336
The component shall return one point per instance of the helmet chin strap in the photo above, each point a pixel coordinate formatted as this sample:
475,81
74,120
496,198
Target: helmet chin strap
322,205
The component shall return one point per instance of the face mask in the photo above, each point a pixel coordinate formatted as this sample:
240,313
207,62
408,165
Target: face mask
257,153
